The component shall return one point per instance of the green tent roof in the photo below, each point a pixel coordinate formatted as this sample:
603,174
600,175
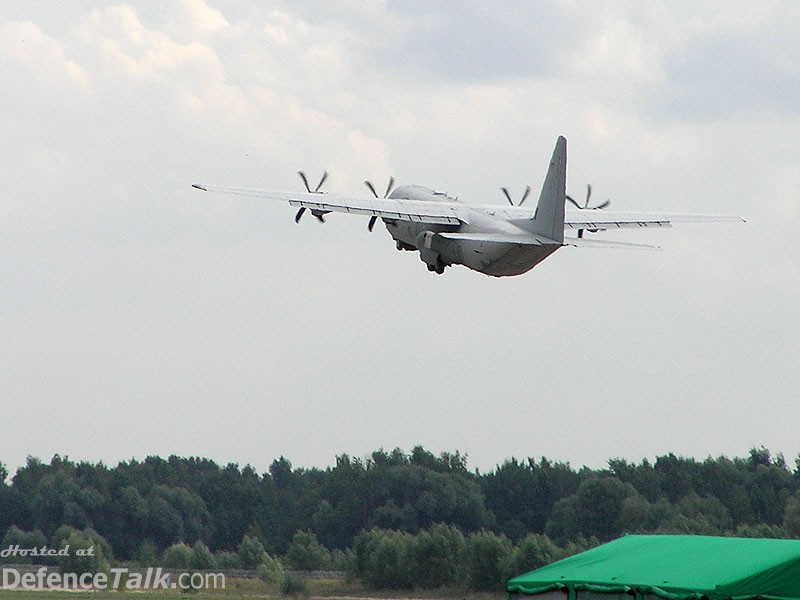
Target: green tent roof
675,567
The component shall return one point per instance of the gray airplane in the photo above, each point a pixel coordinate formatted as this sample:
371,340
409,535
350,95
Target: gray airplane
497,240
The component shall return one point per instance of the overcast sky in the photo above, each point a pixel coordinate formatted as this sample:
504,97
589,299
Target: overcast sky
142,317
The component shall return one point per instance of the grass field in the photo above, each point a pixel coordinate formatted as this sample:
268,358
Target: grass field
254,588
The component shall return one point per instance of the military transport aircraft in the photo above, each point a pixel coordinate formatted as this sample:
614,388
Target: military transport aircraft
497,240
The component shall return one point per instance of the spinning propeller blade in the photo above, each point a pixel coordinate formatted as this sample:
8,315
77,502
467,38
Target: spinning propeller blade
524,195
371,187
317,214
586,206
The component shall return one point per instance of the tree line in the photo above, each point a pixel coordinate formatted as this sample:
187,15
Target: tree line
391,504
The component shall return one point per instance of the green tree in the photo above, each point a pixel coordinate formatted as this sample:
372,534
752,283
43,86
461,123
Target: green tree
147,555
63,533
446,462
770,489
172,500
514,495
305,553
534,551
23,540
344,506
202,558
487,556
251,552
281,472
643,477
164,524
760,457
600,505
235,499
761,530
436,556
564,522
14,509
677,476
191,511
227,560
638,515
411,497
791,516
177,556
576,546
381,559
86,552
270,570
325,523
708,509
728,480
522,495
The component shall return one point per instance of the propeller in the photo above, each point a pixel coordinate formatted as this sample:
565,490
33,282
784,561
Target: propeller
317,213
319,185
586,206
586,203
524,195
371,187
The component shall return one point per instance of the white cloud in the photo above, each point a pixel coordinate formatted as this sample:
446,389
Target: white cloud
28,47
203,19
126,46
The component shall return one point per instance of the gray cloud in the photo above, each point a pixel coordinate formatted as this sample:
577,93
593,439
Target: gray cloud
735,66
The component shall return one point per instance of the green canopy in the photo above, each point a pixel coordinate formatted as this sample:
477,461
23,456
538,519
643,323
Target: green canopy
673,567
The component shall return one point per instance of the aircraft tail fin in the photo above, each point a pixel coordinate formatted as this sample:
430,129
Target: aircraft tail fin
548,220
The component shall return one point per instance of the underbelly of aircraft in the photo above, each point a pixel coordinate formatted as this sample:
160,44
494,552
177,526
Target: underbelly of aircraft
504,260
492,258
512,259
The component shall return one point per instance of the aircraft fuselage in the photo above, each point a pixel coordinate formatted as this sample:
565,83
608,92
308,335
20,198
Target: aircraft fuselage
498,259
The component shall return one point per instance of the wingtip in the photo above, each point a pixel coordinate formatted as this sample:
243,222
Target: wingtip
197,186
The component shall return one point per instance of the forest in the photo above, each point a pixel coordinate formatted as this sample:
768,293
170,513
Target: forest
392,519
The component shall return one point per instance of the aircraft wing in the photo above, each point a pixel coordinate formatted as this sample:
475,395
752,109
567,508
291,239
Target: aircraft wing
391,209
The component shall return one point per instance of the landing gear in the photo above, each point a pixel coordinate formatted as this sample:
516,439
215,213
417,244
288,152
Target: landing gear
438,267
403,246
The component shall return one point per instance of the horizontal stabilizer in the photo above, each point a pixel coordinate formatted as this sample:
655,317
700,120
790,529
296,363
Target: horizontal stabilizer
591,243
531,239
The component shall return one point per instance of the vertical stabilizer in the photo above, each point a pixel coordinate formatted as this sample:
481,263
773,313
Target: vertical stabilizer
548,220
